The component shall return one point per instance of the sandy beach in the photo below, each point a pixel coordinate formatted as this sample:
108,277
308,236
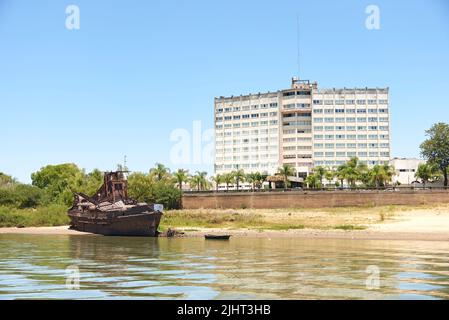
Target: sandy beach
403,224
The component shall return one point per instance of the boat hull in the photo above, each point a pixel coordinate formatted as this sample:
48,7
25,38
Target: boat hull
117,224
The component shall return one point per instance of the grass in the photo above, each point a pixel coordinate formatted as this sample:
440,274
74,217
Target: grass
349,227
348,218
52,215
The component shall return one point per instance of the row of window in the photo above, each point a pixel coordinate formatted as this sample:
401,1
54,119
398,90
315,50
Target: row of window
246,108
297,123
245,141
350,120
299,115
350,137
350,154
349,111
297,139
246,124
247,116
330,163
246,166
350,102
350,145
247,149
350,128
273,131
291,106
246,157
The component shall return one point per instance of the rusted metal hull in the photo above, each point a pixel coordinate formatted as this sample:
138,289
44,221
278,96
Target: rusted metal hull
117,223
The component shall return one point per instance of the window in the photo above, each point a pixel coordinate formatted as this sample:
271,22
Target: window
318,102
339,110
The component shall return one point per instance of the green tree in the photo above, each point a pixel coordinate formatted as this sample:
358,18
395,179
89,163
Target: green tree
160,172
6,180
228,179
217,179
320,173
180,177
286,171
239,176
139,186
144,188
340,174
427,172
436,148
313,181
60,181
199,180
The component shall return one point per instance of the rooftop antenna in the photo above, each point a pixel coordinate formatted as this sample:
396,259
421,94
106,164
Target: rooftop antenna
298,43
124,163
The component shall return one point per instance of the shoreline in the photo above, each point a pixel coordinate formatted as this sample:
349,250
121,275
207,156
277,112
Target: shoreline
378,223
311,234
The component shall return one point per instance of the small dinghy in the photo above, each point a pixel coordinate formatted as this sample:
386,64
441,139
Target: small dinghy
217,237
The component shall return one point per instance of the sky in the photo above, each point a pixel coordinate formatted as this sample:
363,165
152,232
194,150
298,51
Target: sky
135,72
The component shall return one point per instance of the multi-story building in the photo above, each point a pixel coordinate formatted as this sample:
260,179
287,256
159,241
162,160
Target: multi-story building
303,126
406,169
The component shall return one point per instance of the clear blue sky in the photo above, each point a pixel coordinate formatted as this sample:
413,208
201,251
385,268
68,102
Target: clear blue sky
136,70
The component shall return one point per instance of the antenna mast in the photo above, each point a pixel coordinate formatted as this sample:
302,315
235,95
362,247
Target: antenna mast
298,47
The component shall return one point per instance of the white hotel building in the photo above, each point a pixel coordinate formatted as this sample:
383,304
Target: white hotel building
303,126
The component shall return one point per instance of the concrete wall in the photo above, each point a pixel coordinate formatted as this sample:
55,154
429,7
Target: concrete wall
302,199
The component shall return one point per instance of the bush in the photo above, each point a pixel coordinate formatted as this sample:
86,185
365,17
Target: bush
21,196
53,215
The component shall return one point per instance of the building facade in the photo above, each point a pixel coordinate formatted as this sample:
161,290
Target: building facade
303,126
406,170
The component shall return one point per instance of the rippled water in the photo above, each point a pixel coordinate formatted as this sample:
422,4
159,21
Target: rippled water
34,267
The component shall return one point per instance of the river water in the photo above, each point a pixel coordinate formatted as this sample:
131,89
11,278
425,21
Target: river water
47,267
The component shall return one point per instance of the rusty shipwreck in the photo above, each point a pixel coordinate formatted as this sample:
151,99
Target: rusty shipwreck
111,212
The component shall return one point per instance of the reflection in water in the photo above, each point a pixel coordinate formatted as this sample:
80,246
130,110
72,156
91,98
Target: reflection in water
34,266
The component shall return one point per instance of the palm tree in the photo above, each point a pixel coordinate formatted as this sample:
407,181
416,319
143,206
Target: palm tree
181,176
330,175
195,182
217,179
313,181
260,179
427,172
389,173
199,180
320,173
252,178
228,178
377,175
203,179
160,172
286,171
341,174
239,176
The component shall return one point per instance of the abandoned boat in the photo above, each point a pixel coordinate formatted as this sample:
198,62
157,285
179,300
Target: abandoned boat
112,213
